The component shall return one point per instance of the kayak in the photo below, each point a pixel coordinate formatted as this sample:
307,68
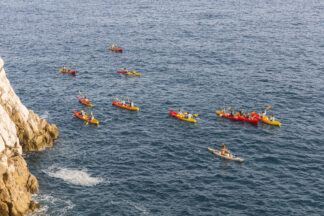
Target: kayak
265,119
86,118
116,49
85,103
67,71
252,120
125,106
229,116
218,153
129,73
182,117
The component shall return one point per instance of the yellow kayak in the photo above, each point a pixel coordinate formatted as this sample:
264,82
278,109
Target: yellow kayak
182,117
129,73
265,119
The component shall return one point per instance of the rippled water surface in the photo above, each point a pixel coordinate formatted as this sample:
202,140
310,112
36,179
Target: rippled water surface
194,55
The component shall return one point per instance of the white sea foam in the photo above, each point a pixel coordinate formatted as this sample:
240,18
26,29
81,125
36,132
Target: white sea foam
44,115
136,206
59,206
77,177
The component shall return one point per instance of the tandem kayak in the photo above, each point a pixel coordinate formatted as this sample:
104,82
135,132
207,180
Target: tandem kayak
67,71
86,118
125,106
182,117
265,119
116,49
129,73
88,103
218,153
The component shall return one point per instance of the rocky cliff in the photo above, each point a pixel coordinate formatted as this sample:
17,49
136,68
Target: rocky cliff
20,130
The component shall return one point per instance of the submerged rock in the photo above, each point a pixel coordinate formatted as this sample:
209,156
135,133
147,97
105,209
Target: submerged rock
20,130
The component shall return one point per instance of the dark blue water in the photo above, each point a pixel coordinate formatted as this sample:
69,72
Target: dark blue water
194,55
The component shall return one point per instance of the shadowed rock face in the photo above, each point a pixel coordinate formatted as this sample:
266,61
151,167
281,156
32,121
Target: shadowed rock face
20,130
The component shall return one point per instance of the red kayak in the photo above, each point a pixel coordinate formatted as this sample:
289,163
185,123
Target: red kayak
68,71
115,49
88,103
252,120
122,72
229,116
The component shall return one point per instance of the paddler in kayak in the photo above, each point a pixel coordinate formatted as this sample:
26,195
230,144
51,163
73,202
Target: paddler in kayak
83,114
242,113
272,118
123,102
232,113
264,113
91,116
223,111
131,103
225,152
85,99
188,115
180,112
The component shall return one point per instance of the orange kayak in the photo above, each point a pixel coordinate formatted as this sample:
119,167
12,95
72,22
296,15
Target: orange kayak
86,118
88,103
125,106
115,49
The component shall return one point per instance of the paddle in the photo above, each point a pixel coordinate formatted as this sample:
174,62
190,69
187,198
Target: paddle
268,107
229,108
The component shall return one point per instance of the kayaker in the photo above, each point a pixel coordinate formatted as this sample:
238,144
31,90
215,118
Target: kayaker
82,113
189,116
248,116
272,118
131,103
223,111
123,102
91,116
264,113
242,112
225,152
85,99
232,113
180,112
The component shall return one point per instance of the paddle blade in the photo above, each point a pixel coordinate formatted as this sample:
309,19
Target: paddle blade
117,99
80,92
196,115
229,108
268,107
